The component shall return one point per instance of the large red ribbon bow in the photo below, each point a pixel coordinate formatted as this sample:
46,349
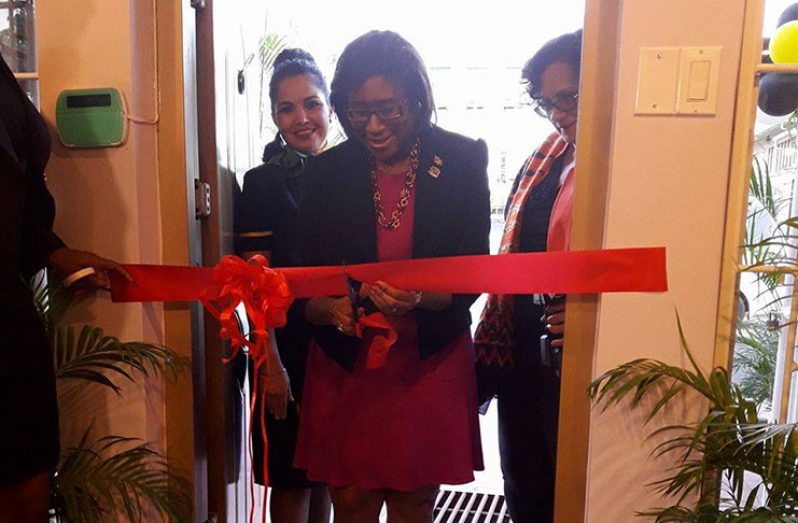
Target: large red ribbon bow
266,297
263,292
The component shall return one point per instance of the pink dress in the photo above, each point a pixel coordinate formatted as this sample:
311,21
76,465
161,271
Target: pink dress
407,425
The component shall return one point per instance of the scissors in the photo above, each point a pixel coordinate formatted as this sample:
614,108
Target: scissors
361,306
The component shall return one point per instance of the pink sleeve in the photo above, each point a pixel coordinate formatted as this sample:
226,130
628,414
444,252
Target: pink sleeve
559,236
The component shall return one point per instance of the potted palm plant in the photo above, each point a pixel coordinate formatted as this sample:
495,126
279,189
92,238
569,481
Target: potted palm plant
111,473
730,466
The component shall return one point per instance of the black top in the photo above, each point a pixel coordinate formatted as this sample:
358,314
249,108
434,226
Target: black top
27,211
337,224
267,208
28,408
12,113
534,231
266,212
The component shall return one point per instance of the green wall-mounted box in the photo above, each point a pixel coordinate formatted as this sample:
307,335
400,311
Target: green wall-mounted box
91,117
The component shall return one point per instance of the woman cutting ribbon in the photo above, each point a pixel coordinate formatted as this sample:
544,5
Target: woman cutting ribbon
398,188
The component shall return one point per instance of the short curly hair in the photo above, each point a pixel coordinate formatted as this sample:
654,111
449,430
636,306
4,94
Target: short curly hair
565,48
387,54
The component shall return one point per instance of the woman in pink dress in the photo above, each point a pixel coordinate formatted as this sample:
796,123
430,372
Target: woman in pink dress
398,188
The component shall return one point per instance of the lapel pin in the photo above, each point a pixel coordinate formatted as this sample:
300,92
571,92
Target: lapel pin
434,171
437,160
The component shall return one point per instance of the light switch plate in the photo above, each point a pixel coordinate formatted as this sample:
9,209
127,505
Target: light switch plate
657,80
698,80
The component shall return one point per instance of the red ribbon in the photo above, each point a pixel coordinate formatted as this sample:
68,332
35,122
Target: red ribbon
266,297
573,272
377,354
267,293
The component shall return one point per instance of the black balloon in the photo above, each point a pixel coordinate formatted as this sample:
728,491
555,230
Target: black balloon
778,94
788,15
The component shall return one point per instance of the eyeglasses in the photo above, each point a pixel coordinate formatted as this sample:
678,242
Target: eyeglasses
385,112
565,102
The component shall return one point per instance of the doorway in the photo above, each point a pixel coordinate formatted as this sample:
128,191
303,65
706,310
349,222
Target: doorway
474,67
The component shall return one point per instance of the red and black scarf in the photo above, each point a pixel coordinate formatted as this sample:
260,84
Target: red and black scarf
494,338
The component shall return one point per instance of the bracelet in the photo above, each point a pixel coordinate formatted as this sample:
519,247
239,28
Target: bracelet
77,275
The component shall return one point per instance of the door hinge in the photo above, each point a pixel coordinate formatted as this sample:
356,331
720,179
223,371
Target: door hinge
198,4
202,199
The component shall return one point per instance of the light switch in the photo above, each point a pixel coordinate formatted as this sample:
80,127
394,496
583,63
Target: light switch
698,80
698,86
657,80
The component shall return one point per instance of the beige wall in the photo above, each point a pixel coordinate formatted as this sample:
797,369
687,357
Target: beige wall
111,200
668,180
89,44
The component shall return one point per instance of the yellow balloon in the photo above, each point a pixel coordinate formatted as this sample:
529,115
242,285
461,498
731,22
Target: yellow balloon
784,44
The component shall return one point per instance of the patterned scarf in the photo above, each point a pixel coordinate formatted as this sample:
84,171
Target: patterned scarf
494,338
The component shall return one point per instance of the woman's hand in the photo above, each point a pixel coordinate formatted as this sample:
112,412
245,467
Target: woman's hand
555,322
342,316
332,311
276,389
390,300
66,262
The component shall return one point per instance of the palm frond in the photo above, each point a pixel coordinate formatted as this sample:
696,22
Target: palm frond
757,460
115,473
50,297
709,513
269,47
767,241
95,357
761,187
678,514
754,364
758,433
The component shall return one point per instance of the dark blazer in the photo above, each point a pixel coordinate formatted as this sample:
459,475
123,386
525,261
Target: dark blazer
28,209
266,210
265,220
27,212
28,408
337,224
